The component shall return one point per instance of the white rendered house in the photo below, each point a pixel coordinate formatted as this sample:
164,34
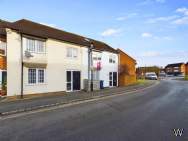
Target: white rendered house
42,59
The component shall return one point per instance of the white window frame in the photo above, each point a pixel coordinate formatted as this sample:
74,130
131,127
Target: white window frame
36,46
71,52
96,57
36,76
112,59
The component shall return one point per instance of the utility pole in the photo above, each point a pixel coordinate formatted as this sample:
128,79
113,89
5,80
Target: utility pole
90,64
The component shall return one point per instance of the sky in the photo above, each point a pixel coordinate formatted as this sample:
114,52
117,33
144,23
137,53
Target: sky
154,32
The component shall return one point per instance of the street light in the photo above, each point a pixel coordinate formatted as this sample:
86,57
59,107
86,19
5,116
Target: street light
90,63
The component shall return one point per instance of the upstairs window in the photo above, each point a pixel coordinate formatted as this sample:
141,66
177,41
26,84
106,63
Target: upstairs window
72,52
112,59
35,46
97,57
31,45
40,46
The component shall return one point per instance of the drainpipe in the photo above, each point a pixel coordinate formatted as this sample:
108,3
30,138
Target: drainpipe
91,84
89,61
21,96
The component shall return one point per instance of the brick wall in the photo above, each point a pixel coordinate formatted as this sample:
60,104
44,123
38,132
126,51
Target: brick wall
3,65
127,69
186,69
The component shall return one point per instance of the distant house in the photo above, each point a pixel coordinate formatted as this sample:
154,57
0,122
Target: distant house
186,67
140,71
127,70
176,69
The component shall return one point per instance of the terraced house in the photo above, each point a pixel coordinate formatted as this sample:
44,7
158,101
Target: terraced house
176,69
42,59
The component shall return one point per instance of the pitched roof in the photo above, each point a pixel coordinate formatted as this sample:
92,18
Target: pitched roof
35,29
174,65
121,51
3,25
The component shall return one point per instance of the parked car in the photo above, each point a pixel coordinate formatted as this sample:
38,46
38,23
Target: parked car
162,75
151,76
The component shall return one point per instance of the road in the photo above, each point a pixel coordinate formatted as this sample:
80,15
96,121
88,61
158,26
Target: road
149,115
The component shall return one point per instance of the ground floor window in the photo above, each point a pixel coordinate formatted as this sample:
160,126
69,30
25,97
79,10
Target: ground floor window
36,75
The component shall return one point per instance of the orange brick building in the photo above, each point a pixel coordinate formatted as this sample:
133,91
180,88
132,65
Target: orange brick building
3,63
186,67
2,52
127,69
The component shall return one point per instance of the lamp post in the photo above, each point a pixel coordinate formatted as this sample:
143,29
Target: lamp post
90,63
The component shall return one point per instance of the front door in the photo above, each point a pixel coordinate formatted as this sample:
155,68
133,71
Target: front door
112,79
73,80
76,80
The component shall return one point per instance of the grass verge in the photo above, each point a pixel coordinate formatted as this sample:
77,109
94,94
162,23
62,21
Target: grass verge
186,78
141,81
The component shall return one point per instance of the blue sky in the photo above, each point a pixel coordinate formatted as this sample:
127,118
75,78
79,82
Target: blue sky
154,32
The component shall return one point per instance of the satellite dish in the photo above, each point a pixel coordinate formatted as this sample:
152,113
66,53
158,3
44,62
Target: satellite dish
28,54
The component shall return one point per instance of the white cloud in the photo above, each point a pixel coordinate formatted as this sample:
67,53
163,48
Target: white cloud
168,38
161,1
147,2
181,21
130,15
146,35
150,54
182,10
150,35
162,19
121,18
111,32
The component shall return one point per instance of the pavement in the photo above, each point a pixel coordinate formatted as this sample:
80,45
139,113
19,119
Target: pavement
148,115
8,107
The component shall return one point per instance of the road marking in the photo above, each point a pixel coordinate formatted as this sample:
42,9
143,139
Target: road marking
23,112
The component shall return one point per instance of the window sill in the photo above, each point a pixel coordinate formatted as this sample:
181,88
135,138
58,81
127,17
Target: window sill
36,84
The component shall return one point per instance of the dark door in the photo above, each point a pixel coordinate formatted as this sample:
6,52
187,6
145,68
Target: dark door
114,78
110,79
76,80
69,81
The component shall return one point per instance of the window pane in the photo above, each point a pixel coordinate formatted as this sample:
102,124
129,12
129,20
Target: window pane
110,76
68,76
30,45
69,52
31,76
68,86
110,60
110,83
75,53
41,75
40,46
